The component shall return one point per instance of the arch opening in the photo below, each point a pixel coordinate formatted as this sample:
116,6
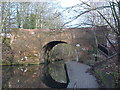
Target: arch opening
57,51
47,48
50,45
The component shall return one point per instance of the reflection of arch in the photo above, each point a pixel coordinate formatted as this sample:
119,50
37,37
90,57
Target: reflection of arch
50,82
48,47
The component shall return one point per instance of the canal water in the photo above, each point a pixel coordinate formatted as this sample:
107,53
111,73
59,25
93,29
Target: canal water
53,75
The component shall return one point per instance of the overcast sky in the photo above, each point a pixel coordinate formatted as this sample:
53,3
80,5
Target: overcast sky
67,15
68,3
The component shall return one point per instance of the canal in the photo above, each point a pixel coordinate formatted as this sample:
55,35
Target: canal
52,75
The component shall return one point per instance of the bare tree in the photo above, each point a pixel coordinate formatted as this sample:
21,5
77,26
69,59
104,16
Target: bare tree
113,22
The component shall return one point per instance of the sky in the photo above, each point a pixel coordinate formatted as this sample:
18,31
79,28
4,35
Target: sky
69,3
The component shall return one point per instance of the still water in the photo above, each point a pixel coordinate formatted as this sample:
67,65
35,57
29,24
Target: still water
51,75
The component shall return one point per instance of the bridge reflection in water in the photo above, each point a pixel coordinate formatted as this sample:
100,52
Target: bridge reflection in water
55,75
52,75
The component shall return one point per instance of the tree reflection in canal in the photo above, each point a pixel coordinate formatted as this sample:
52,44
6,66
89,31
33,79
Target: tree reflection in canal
52,75
23,77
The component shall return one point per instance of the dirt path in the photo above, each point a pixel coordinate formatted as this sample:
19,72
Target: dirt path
78,76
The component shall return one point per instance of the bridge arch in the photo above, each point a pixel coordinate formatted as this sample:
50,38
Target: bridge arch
51,44
57,50
48,47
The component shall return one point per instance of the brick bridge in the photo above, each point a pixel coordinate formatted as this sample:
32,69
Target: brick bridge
28,44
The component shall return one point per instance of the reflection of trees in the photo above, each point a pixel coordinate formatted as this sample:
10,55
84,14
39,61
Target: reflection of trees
54,75
7,73
25,77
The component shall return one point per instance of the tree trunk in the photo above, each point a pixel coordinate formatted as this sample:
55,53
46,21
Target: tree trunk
118,38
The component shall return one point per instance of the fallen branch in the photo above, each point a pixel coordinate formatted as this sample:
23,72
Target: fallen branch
104,61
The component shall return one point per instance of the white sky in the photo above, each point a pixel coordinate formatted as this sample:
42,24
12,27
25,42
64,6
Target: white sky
68,3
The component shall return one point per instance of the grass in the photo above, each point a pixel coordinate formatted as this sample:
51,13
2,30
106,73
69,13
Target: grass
108,80
17,64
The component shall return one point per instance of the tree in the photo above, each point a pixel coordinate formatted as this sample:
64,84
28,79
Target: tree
113,6
5,19
29,15
29,22
47,16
